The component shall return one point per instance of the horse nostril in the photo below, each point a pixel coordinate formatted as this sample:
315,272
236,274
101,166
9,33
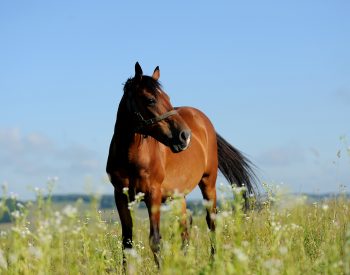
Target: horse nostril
184,136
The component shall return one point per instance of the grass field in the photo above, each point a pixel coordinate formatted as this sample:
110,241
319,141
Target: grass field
287,235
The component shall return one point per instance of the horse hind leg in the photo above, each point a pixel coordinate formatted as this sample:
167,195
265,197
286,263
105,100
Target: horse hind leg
184,225
207,186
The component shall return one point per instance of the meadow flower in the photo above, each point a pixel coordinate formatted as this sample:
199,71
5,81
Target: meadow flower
276,226
13,258
273,265
20,205
131,205
241,256
13,196
76,230
325,207
16,214
133,253
37,190
283,250
3,262
58,218
45,238
225,214
139,196
35,252
294,226
125,190
238,190
207,204
69,211
23,232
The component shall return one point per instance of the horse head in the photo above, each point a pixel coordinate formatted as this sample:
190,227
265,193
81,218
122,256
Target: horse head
152,113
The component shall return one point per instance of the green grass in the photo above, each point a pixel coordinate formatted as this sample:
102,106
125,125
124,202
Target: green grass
287,236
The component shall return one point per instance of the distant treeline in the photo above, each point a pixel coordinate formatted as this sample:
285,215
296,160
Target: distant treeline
107,202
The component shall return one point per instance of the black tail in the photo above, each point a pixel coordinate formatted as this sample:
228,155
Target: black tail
235,167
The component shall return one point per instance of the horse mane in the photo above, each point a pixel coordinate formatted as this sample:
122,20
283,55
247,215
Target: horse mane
147,82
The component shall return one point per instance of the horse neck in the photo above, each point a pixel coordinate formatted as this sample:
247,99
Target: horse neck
124,125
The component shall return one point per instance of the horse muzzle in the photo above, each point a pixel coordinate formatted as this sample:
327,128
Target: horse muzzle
182,142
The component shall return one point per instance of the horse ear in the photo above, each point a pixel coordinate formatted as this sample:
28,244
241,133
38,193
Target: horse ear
156,73
138,71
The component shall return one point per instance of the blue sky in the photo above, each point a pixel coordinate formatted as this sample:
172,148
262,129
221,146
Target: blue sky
273,76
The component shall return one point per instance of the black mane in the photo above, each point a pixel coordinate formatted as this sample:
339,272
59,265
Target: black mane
146,82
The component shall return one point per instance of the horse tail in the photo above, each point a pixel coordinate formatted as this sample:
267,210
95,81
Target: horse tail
236,168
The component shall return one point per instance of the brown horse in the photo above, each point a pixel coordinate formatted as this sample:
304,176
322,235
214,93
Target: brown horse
160,150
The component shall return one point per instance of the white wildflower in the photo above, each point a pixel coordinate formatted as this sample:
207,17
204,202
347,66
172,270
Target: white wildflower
273,265
13,196
16,214
20,205
241,256
139,196
23,232
35,252
325,207
207,204
70,211
131,205
294,226
239,190
13,258
45,238
77,230
225,214
283,250
3,262
133,253
213,216
58,218
126,190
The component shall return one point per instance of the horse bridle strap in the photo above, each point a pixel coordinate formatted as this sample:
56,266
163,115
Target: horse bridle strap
147,122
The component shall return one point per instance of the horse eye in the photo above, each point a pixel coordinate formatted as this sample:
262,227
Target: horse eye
151,102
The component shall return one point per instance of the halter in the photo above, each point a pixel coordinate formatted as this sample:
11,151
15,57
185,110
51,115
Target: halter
142,123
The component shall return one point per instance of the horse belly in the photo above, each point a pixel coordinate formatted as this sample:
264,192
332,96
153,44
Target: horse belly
184,171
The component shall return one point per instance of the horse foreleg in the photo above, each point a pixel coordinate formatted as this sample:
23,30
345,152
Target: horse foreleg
121,201
153,202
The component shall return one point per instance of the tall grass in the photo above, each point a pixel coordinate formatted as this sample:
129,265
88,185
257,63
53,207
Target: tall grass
280,238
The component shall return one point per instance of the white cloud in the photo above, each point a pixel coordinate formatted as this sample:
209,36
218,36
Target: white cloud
282,156
28,159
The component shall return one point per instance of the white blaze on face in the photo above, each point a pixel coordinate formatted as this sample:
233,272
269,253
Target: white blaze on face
188,140
109,176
